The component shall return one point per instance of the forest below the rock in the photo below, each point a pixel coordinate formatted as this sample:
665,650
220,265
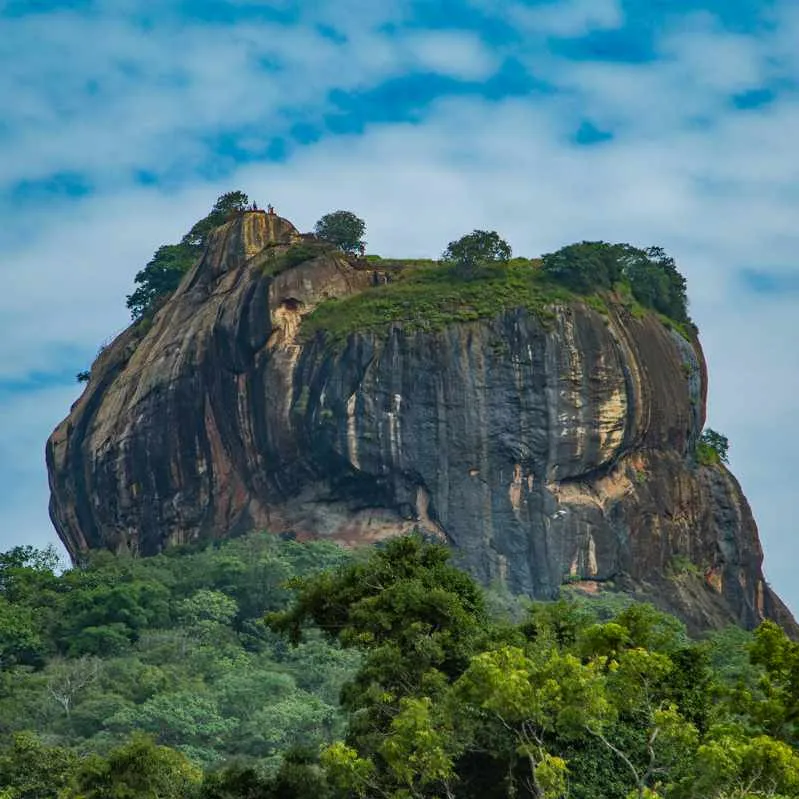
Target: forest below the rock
265,667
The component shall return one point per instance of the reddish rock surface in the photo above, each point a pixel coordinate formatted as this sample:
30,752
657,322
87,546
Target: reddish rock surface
544,454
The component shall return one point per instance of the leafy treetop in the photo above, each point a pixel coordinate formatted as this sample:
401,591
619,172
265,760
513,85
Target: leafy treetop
342,228
476,250
162,275
712,448
596,265
442,698
225,205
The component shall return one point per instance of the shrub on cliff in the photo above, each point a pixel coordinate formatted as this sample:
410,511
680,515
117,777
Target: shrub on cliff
712,448
294,255
162,275
470,254
229,203
342,228
583,267
656,283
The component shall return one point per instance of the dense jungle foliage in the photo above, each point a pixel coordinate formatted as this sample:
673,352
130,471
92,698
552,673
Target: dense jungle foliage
264,668
173,645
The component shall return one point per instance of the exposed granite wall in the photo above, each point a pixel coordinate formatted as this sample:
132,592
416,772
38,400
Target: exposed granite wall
542,453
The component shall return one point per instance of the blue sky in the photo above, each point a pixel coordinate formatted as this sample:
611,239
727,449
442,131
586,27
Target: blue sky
671,123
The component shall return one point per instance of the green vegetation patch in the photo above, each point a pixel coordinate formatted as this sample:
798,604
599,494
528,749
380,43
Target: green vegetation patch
173,646
162,275
278,261
272,669
712,448
428,296
682,564
401,263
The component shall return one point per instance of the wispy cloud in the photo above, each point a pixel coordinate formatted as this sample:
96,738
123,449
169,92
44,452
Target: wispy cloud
569,19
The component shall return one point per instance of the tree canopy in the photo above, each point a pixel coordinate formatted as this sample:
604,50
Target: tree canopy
477,249
171,646
449,702
651,274
387,673
712,448
162,275
342,228
225,205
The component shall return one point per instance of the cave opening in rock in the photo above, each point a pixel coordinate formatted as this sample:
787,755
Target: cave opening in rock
291,304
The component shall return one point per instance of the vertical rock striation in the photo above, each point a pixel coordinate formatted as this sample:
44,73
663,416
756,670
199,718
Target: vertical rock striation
544,453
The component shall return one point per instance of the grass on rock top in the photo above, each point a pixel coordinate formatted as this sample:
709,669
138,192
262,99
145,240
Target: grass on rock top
426,296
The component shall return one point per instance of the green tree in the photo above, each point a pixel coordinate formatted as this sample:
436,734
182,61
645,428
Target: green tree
162,275
21,563
651,274
712,448
475,251
775,706
674,301
584,267
637,688
516,702
298,777
649,283
106,617
342,228
31,770
235,781
174,645
732,764
227,205
585,699
187,717
416,618
140,769
206,615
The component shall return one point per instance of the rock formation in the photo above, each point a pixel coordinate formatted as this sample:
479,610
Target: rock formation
545,453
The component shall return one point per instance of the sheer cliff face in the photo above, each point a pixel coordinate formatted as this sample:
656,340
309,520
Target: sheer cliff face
544,454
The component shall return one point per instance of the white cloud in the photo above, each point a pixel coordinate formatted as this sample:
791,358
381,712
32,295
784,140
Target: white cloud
65,287
454,54
129,93
571,18
708,57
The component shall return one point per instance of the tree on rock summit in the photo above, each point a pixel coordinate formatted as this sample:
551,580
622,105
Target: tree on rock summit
228,203
475,250
162,275
342,228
